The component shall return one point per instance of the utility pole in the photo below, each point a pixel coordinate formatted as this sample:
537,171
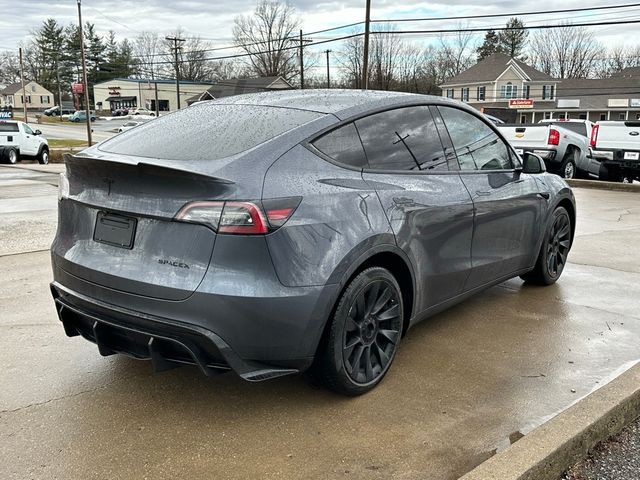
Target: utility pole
175,41
24,92
59,90
155,88
85,86
301,62
328,77
365,62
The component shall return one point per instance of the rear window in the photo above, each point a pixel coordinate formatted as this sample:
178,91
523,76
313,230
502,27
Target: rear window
207,131
8,127
579,128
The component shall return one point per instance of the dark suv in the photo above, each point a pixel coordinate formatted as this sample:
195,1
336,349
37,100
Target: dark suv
273,232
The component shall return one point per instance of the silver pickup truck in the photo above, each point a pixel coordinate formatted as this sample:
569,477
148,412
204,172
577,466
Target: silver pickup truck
617,146
564,151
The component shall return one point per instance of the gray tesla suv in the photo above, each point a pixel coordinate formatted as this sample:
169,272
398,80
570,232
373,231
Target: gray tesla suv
272,233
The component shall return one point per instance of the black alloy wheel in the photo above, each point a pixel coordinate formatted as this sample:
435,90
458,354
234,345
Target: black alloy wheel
364,334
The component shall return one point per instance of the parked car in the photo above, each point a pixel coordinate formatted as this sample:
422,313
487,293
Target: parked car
128,126
307,228
617,146
143,111
55,110
562,149
120,112
18,140
81,116
589,165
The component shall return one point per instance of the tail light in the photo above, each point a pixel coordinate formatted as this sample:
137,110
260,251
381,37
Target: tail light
240,218
594,136
554,137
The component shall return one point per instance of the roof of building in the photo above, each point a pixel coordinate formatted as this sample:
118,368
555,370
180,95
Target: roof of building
594,94
240,86
13,88
490,68
156,80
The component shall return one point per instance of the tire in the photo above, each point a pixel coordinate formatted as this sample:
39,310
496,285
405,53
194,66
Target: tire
363,334
43,156
609,173
11,156
553,251
567,168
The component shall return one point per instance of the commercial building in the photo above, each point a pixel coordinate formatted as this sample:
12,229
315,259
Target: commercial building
136,92
36,96
516,92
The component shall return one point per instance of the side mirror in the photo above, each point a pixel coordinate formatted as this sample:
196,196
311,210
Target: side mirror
37,132
532,163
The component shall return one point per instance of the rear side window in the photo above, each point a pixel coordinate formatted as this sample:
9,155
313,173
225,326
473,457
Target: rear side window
402,139
8,127
207,131
478,147
344,146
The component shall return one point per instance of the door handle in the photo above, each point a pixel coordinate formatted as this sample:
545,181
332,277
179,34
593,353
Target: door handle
483,194
544,195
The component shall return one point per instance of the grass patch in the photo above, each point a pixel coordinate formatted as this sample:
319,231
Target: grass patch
66,143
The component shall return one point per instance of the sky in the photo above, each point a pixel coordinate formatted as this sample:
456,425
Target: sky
213,20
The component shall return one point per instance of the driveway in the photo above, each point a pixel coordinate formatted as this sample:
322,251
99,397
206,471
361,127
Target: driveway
465,384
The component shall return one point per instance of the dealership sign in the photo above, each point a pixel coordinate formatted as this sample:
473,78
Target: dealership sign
521,103
114,91
6,115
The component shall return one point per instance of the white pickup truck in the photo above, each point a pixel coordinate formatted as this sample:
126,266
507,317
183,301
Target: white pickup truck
563,150
617,146
18,140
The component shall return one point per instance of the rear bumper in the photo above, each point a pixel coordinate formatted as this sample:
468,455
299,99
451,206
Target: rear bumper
616,157
166,342
546,154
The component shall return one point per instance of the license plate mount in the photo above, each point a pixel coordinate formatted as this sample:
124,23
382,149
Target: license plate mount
115,230
519,151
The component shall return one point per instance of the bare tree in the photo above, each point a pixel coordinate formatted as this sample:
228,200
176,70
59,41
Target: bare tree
566,52
618,58
267,36
147,48
9,67
192,57
456,54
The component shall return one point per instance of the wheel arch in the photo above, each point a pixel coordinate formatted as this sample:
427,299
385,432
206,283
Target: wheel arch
571,210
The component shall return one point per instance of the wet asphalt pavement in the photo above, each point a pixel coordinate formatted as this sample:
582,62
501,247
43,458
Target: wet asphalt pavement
465,383
615,459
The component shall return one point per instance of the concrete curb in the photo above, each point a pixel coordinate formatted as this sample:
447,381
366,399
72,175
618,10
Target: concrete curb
553,447
623,187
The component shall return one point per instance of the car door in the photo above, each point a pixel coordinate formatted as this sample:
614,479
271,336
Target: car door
29,142
426,203
508,207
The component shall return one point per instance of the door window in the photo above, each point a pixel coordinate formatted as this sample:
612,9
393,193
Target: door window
478,147
27,129
344,146
403,139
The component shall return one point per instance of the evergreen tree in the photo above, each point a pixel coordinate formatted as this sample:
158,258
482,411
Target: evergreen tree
490,45
513,40
45,57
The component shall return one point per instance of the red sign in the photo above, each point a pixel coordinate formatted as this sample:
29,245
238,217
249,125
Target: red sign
77,88
521,103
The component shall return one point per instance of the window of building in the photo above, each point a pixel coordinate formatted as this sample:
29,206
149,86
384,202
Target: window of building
481,93
561,116
509,91
547,115
621,116
582,116
526,91
344,146
478,147
33,88
44,99
22,98
548,92
603,116
402,139
465,94
523,119
450,93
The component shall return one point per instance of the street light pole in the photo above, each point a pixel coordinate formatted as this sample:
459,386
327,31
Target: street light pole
85,86
24,92
328,77
365,62
301,62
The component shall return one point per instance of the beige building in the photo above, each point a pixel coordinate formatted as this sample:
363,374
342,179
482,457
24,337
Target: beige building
512,90
37,97
131,92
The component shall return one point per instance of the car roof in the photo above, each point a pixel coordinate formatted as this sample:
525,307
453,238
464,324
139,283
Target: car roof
339,102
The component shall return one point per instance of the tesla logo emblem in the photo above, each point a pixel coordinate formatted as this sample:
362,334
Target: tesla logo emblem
634,133
109,182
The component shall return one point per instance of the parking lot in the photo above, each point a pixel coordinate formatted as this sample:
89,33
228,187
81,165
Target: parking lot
467,382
